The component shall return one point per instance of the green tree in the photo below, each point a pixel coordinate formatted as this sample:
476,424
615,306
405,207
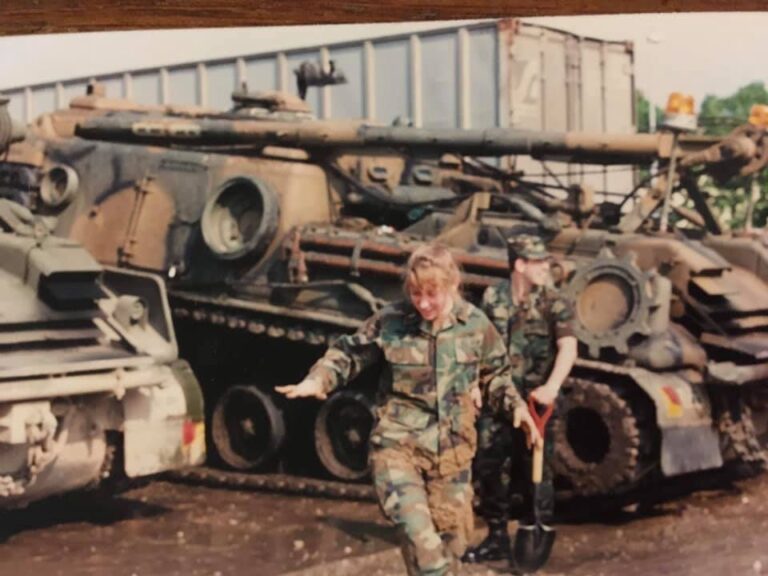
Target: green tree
721,115
644,126
643,112
718,117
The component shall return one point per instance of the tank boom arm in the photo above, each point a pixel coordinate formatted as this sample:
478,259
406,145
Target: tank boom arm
597,148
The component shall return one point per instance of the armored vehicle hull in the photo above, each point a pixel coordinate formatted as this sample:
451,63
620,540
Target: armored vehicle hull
91,391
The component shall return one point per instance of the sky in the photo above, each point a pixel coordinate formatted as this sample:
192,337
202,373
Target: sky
702,53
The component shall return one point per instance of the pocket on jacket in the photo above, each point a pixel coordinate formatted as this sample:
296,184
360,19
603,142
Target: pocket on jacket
469,353
412,372
410,352
469,348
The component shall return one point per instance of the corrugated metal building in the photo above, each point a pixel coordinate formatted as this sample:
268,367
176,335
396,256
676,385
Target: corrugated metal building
502,73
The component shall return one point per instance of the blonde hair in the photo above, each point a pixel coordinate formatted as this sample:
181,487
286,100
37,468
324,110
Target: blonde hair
432,265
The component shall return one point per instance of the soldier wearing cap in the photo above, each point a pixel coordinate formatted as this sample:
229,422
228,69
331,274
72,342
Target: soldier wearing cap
535,323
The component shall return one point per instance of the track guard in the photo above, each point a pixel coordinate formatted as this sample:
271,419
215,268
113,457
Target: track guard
689,441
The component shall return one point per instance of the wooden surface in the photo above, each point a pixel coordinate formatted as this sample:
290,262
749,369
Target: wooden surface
48,16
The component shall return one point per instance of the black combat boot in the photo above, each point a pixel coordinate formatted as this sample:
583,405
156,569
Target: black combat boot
495,546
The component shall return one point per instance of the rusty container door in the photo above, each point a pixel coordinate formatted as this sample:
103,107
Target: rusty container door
558,81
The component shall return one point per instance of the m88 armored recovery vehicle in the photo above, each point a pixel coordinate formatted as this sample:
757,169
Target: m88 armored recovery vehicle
277,232
91,390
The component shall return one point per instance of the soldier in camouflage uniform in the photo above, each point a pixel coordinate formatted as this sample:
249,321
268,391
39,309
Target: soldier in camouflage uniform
536,325
444,359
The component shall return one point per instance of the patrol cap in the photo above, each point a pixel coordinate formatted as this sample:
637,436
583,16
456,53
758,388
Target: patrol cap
527,247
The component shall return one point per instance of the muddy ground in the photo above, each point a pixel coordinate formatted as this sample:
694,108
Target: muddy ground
167,528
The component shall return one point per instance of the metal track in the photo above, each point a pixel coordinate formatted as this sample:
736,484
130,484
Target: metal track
276,483
204,311
741,437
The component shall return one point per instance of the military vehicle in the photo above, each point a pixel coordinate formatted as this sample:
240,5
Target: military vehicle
91,391
277,232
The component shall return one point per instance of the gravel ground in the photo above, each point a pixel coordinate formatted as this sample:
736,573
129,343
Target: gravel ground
166,528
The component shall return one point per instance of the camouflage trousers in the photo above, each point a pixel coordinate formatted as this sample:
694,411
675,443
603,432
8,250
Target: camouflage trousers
503,467
432,511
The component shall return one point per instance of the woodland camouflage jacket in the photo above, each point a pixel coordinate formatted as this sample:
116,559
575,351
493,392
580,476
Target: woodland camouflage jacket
425,386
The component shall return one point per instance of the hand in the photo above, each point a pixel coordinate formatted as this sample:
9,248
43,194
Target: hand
307,388
523,418
477,397
545,395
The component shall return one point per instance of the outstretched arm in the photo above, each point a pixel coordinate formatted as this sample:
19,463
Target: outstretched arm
346,358
307,388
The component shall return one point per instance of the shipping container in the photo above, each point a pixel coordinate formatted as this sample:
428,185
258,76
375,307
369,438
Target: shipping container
505,73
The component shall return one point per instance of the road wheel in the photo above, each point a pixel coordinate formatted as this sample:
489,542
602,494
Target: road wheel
342,428
248,428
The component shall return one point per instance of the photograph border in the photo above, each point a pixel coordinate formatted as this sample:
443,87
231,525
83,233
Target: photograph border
62,16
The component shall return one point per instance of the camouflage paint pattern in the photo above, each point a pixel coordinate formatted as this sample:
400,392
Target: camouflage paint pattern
425,438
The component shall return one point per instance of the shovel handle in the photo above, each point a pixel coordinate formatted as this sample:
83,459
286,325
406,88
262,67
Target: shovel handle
540,420
537,470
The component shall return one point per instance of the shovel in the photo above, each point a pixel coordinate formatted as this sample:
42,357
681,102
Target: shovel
533,542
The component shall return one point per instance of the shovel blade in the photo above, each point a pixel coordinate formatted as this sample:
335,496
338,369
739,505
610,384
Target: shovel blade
533,545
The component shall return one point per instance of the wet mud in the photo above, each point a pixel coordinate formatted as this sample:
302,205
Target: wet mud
170,528
175,529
